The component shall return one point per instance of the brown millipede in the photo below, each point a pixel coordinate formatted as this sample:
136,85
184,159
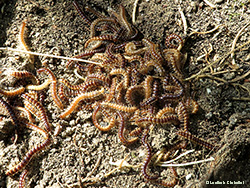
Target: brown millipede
32,151
124,74
168,119
77,99
119,107
53,86
147,85
22,178
9,110
97,125
148,158
12,93
183,115
173,37
196,140
22,40
121,131
99,39
41,111
39,87
81,13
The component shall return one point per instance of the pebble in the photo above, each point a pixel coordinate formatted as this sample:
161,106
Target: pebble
218,1
208,91
189,176
209,115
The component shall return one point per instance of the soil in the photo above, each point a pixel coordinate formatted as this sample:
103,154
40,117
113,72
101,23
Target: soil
53,26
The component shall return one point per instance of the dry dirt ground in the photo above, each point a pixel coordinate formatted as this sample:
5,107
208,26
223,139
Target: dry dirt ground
222,92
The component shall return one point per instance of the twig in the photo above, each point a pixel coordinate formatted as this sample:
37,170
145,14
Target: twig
234,42
95,167
235,84
134,11
49,55
241,99
205,32
185,164
240,77
206,56
212,77
78,75
181,155
209,4
216,61
184,21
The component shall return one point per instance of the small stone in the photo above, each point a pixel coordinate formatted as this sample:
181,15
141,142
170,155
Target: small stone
208,91
219,1
189,176
209,115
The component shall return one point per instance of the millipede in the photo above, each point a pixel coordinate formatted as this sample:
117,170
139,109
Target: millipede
41,111
134,86
96,123
147,159
196,140
22,36
32,151
129,109
22,178
53,86
82,96
121,131
12,93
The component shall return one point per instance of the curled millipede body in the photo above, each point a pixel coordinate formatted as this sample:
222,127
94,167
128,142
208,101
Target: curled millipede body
177,92
96,123
148,89
169,41
27,113
130,49
131,94
172,182
124,73
24,74
84,55
136,131
148,102
153,50
28,157
192,105
112,91
100,38
105,79
166,110
99,21
81,87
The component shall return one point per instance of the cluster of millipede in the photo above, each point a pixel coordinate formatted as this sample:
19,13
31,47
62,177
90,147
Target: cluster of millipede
135,85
